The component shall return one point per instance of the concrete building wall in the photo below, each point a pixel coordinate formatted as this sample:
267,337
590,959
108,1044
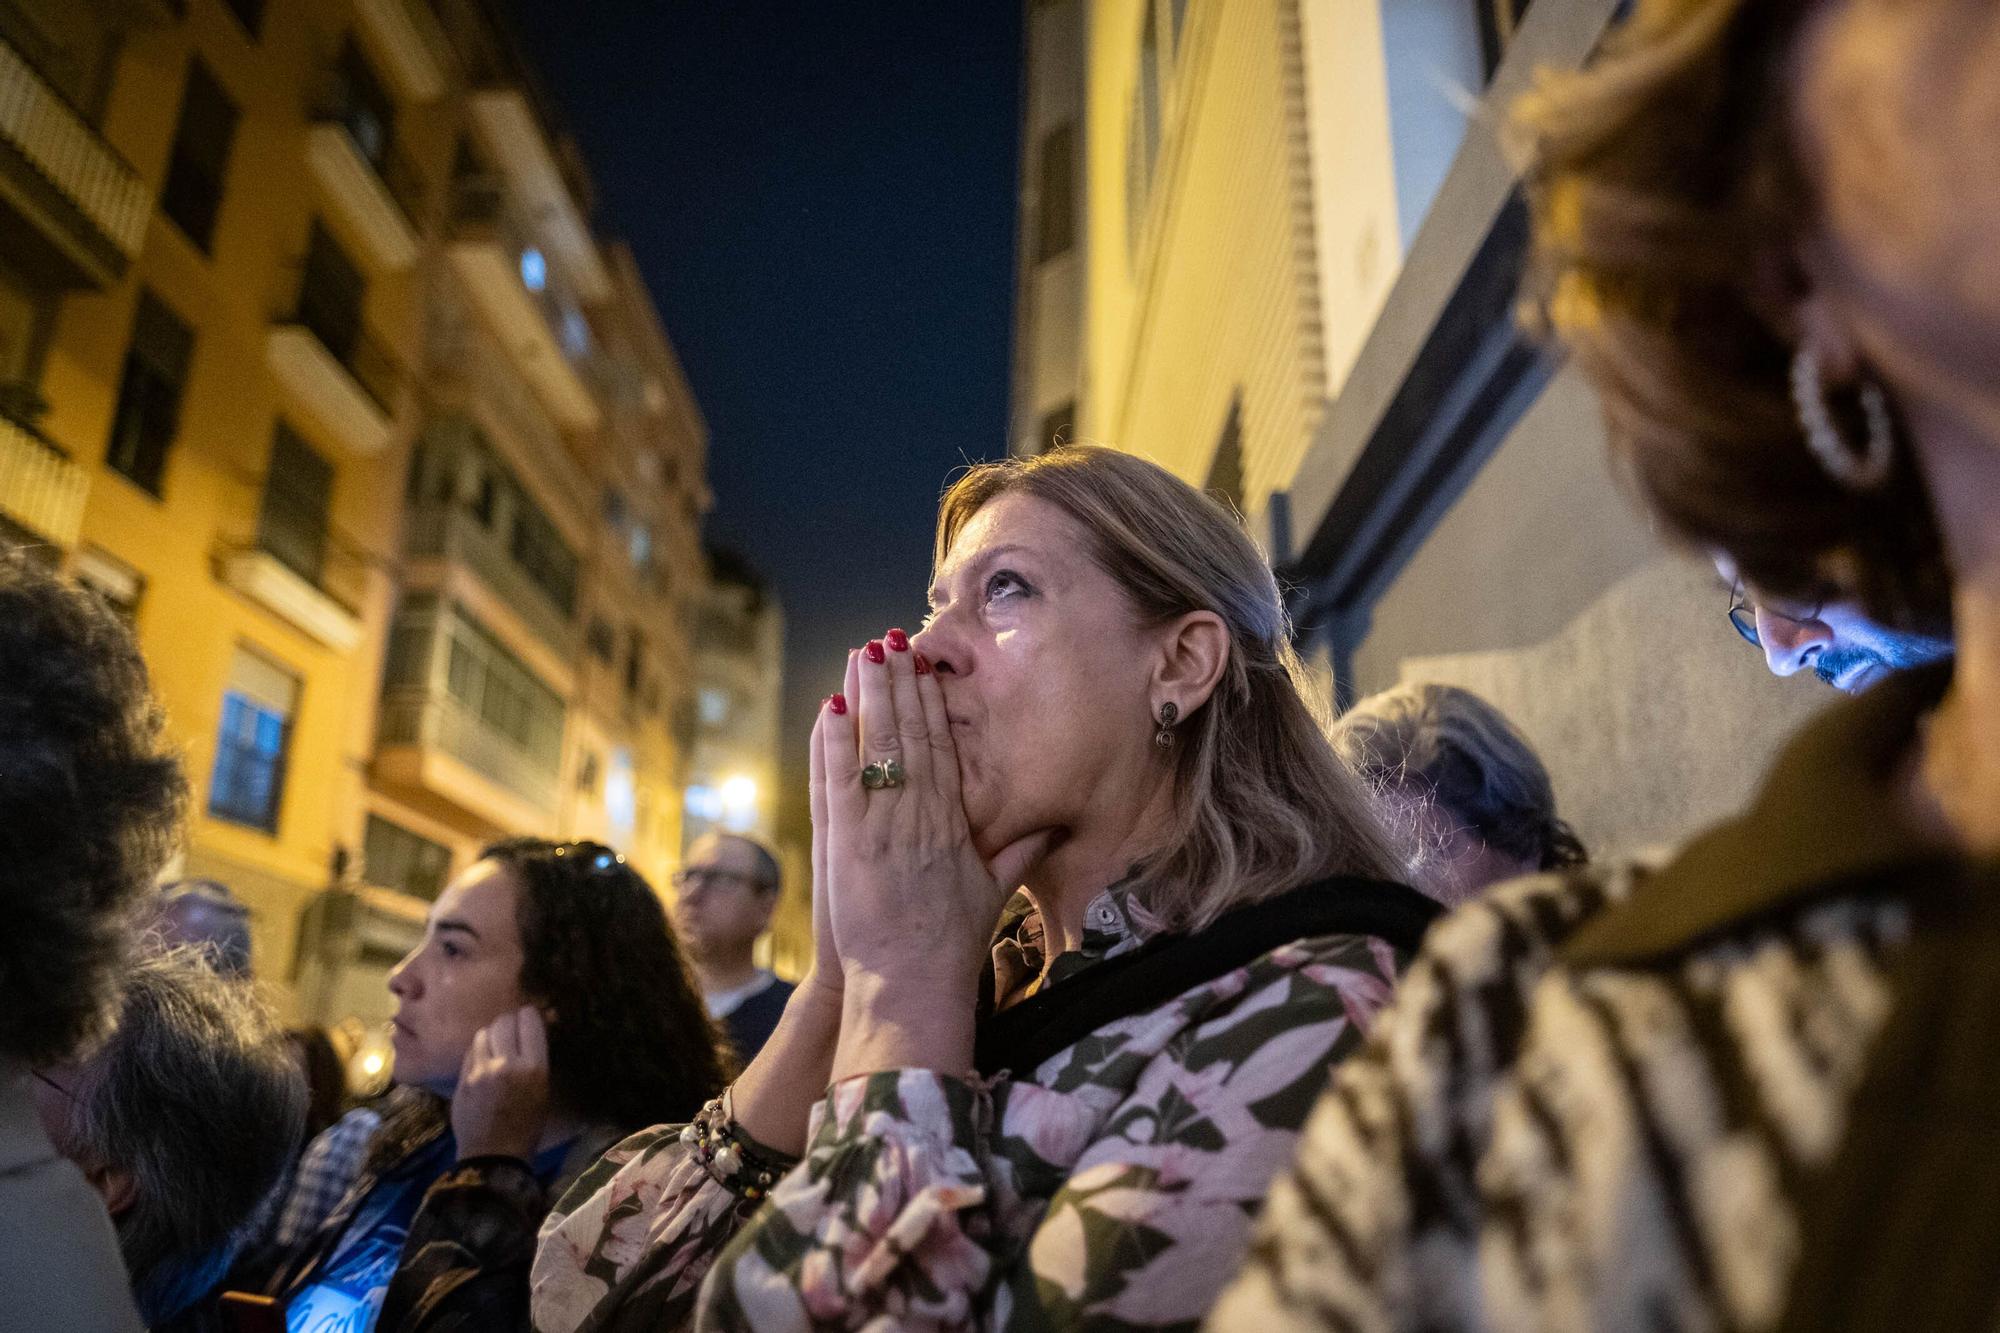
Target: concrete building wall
1544,590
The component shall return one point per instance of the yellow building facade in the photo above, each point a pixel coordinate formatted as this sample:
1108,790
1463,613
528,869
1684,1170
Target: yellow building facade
1227,176
310,361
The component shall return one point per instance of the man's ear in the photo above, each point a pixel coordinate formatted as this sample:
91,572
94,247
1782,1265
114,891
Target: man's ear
118,1188
1194,652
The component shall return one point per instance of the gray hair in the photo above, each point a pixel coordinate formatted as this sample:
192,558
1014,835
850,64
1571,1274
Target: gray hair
198,1098
224,931
1457,749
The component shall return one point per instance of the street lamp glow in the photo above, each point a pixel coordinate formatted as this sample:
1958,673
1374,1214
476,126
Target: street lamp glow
739,801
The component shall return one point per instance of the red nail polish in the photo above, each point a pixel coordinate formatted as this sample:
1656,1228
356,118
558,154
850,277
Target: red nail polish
837,704
923,665
897,641
874,650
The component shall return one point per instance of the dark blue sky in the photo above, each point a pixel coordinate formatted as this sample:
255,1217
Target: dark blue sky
821,197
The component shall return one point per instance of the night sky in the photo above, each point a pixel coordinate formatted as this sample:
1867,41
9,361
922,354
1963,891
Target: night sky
821,197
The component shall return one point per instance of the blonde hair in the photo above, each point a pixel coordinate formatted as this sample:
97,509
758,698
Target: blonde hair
1261,803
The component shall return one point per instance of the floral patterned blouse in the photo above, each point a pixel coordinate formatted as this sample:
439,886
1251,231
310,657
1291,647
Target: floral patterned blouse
1116,1186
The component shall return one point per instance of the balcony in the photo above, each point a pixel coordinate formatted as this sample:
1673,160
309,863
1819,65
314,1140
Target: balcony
543,331
430,742
347,400
40,488
309,608
85,210
443,532
512,136
404,38
466,371
375,209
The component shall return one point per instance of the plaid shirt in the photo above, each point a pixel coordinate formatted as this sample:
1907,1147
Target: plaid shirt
327,1169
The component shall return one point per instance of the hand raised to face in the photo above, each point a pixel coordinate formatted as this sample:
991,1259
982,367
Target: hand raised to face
909,900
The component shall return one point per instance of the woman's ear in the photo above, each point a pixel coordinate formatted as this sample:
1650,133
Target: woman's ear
118,1188
1194,652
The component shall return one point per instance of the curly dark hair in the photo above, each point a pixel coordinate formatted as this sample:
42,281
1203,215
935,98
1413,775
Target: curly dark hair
91,799
1670,208
631,1044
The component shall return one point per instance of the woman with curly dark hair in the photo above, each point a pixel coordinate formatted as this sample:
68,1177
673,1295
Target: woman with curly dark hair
546,1014
90,807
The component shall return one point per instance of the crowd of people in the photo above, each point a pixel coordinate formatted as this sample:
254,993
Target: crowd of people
1138,998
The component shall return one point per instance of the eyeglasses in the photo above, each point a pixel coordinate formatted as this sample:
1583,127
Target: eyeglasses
700,877
1743,613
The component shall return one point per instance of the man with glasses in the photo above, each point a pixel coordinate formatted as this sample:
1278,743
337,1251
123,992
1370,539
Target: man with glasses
1841,645
725,895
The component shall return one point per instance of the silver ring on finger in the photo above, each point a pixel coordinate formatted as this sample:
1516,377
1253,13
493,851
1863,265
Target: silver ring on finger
882,774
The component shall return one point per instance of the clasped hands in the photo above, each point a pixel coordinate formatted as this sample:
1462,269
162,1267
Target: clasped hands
903,903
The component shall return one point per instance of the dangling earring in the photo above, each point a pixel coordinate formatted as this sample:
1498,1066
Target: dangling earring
1857,472
1164,737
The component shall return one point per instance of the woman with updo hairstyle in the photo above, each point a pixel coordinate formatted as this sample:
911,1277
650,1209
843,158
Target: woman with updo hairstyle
1753,1088
1096,908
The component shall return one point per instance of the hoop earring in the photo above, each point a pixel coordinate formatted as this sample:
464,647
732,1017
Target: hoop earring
1169,714
1857,472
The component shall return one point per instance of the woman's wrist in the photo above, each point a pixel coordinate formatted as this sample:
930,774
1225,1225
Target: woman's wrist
775,1094
905,1022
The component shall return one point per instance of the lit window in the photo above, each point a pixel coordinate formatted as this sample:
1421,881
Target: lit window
713,705
257,710
534,269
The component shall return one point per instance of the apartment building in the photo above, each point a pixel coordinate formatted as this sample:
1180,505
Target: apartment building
311,362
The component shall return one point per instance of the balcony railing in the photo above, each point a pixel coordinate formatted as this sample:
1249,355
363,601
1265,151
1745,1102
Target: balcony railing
59,144
433,719
463,362
380,201
525,296
440,531
40,488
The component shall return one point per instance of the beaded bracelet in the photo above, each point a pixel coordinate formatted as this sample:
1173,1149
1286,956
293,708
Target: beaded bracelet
734,1162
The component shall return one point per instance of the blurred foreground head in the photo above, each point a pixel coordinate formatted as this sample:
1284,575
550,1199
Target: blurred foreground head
90,807
1746,205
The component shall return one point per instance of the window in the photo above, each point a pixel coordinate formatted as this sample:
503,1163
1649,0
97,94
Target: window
330,295
588,771
192,195
363,107
399,859
298,493
503,694
712,704
149,395
1055,218
1225,475
121,586
635,664
250,13
257,711
1057,424
603,643
538,548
